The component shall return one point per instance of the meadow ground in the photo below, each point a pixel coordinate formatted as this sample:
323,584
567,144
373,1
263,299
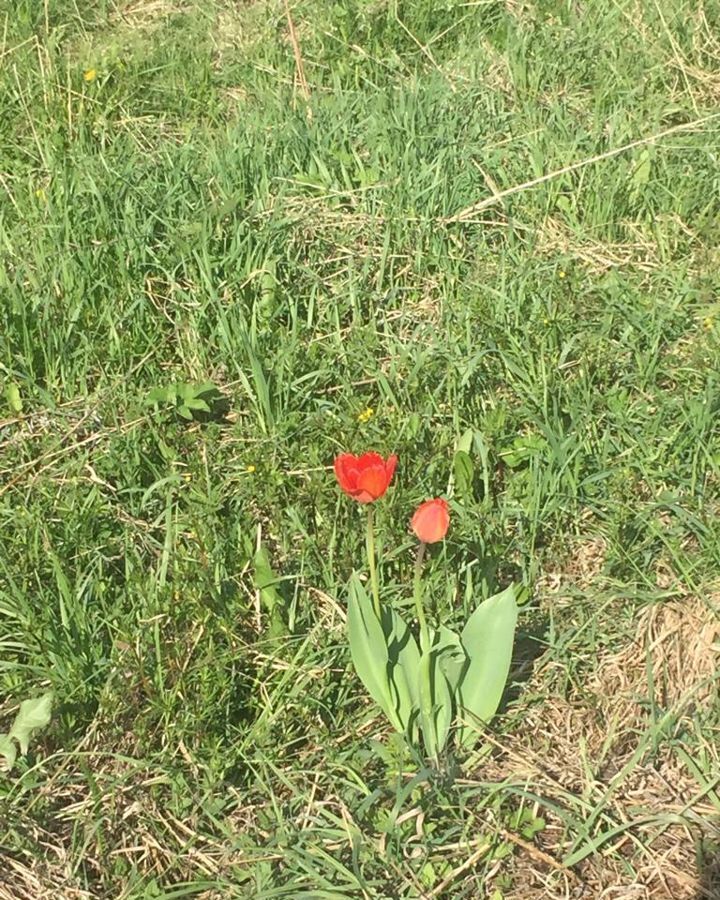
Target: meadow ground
384,226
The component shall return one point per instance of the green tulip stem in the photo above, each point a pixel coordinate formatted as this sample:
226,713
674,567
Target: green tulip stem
418,594
371,562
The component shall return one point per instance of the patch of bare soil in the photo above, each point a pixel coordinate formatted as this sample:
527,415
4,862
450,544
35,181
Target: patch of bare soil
626,763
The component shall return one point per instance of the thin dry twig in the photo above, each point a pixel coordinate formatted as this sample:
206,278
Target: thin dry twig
299,67
468,864
538,853
469,211
424,49
258,600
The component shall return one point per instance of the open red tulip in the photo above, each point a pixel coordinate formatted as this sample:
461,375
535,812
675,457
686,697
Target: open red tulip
364,478
431,521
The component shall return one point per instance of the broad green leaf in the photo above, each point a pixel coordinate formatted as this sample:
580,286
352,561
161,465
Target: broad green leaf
265,580
443,703
464,443
33,714
404,664
368,649
428,875
197,403
206,387
463,472
641,172
488,642
8,751
220,209
425,691
452,658
12,395
160,395
268,287
436,701
271,599
523,449
278,626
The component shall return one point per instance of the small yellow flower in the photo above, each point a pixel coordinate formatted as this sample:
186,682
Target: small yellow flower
708,323
562,274
90,75
366,415
187,476
250,469
40,194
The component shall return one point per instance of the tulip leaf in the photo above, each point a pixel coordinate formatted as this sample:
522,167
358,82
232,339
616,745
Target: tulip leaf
443,703
369,650
452,662
488,642
425,692
404,660
435,697
452,658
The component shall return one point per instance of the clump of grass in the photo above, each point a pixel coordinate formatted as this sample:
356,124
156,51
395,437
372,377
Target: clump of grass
186,217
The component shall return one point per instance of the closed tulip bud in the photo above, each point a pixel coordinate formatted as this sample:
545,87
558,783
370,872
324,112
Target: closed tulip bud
431,521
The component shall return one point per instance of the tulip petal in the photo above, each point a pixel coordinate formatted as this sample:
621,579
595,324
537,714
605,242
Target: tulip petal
431,521
346,471
372,483
370,458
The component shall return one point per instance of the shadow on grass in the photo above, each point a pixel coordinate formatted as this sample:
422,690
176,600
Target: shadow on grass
530,644
708,857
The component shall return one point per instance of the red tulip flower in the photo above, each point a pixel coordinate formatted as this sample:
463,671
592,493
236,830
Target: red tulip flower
364,478
431,521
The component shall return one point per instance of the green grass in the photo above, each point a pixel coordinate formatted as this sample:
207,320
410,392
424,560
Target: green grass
184,216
